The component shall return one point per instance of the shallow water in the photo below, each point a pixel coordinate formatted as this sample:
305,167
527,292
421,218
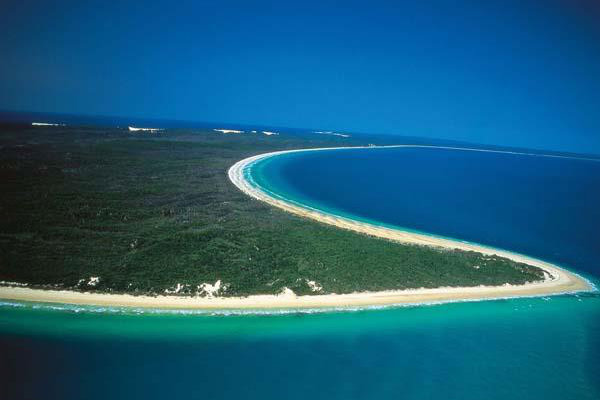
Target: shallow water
507,349
527,348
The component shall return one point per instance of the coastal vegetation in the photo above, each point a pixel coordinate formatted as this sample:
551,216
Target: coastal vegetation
115,211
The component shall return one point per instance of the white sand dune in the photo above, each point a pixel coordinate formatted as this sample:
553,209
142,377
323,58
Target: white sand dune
45,124
134,129
227,131
344,135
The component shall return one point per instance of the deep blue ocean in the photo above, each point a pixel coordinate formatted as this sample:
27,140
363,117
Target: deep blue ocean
536,348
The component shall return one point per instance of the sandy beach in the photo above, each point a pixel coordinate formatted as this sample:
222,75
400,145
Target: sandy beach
557,281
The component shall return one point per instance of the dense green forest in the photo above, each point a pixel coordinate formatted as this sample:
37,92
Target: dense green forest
108,210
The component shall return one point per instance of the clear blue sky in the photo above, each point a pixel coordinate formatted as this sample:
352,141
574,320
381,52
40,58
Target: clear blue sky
524,73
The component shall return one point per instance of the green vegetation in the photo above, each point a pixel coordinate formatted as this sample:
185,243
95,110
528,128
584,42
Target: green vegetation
144,212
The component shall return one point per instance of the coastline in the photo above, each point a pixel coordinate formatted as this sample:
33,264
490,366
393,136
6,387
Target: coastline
557,281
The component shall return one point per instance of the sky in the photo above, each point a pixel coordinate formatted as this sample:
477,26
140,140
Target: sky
519,73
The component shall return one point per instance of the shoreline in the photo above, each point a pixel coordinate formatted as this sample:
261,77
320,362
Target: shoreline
557,280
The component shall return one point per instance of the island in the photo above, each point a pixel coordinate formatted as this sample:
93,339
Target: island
104,216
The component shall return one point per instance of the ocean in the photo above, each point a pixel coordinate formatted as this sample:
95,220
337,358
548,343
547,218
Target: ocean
546,348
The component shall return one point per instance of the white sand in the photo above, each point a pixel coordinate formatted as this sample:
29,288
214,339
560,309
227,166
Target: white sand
227,131
344,135
558,280
134,129
45,124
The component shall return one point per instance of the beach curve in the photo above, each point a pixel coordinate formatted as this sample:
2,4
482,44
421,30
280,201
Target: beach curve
557,279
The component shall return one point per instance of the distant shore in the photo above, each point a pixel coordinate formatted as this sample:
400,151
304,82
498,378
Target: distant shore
557,280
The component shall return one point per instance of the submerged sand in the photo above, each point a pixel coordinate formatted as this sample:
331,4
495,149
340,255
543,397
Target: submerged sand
557,280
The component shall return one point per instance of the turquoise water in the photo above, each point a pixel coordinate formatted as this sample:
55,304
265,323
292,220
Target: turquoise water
546,348
508,349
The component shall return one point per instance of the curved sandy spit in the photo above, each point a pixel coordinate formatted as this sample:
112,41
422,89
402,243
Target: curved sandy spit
558,280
